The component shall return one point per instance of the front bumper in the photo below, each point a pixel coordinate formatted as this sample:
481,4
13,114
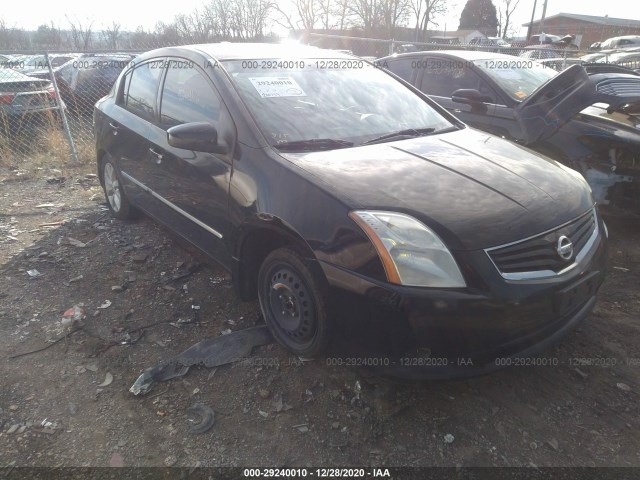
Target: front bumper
427,333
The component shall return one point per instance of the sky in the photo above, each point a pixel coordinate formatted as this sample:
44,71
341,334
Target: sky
130,14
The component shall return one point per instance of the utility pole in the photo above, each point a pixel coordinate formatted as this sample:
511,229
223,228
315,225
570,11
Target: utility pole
533,14
544,14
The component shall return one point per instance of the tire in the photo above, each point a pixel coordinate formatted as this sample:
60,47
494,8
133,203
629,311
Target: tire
113,192
293,299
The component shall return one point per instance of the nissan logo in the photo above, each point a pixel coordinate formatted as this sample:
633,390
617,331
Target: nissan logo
564,247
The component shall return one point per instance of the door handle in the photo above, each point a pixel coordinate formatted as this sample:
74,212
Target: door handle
114,127
157,155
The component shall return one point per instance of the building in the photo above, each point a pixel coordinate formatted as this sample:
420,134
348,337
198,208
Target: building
458,36
587,29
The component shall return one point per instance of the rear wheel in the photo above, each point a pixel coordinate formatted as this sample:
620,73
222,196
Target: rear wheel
113,191
293,301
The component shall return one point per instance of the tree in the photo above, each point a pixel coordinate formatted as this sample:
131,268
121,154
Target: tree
111,35
81,34
505,12
48,37
425,11
300,14
479,15
12,38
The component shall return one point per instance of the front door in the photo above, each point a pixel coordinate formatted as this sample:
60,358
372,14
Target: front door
192,185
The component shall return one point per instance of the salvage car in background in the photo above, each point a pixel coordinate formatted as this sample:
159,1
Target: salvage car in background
629,59
37,63
84,80
25,102
311,174
493,92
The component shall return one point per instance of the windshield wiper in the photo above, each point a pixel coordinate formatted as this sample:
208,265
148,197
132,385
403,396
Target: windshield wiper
409,132
313,144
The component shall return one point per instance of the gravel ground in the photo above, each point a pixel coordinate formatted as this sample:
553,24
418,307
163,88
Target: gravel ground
69,403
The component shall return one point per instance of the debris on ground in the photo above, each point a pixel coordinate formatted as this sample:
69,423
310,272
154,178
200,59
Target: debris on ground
448,438
211,352
108,379
201,419
75,243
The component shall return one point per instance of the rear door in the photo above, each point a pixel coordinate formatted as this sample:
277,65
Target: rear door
130,123
193,186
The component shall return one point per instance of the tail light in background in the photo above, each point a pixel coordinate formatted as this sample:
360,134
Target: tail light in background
6,98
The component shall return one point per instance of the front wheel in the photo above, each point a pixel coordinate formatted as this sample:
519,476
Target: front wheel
113,192
293,301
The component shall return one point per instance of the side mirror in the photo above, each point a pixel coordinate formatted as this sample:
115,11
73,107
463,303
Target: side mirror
469,96
197,136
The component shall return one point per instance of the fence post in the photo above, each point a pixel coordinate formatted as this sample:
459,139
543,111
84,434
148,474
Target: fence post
63,115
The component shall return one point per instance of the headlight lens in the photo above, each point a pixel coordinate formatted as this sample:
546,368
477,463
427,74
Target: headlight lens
411,253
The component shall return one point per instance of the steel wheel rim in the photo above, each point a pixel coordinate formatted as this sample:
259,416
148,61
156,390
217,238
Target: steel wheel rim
112,187
291,305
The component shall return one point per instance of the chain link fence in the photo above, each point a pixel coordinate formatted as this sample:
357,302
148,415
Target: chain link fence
47,98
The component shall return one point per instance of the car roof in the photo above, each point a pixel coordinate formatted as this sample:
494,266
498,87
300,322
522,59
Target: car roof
252,51
10,76
463,54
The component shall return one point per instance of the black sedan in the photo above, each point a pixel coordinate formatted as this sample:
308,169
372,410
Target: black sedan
314,176
492,92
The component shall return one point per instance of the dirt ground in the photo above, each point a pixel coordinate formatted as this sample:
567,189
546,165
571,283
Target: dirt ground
58,406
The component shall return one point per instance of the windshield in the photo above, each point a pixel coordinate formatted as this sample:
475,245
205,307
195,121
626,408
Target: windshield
347,101
518,77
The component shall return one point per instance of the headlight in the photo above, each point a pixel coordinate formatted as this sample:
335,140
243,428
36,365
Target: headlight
411,253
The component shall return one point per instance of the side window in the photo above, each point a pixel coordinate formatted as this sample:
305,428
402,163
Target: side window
403,67
187,97
140,97
442,77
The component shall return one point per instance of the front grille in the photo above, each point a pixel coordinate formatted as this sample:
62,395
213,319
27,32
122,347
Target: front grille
540,253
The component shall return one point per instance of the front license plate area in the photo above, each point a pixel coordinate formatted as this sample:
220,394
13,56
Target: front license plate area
576,294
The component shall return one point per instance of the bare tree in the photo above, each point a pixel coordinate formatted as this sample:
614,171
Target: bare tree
366,14
393,13
325,9
196,27
80,34
379,16
342,12
166,34
13,38
508,7
111,35
298,14
425,12
248,18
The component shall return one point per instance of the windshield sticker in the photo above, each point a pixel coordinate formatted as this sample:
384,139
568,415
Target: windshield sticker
520,94
270,87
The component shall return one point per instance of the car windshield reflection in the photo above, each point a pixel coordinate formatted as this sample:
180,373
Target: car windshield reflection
318,99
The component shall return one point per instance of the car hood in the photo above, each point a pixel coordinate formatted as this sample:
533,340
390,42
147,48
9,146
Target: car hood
552,104
475,190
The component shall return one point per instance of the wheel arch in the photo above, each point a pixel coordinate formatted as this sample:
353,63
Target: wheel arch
258,238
